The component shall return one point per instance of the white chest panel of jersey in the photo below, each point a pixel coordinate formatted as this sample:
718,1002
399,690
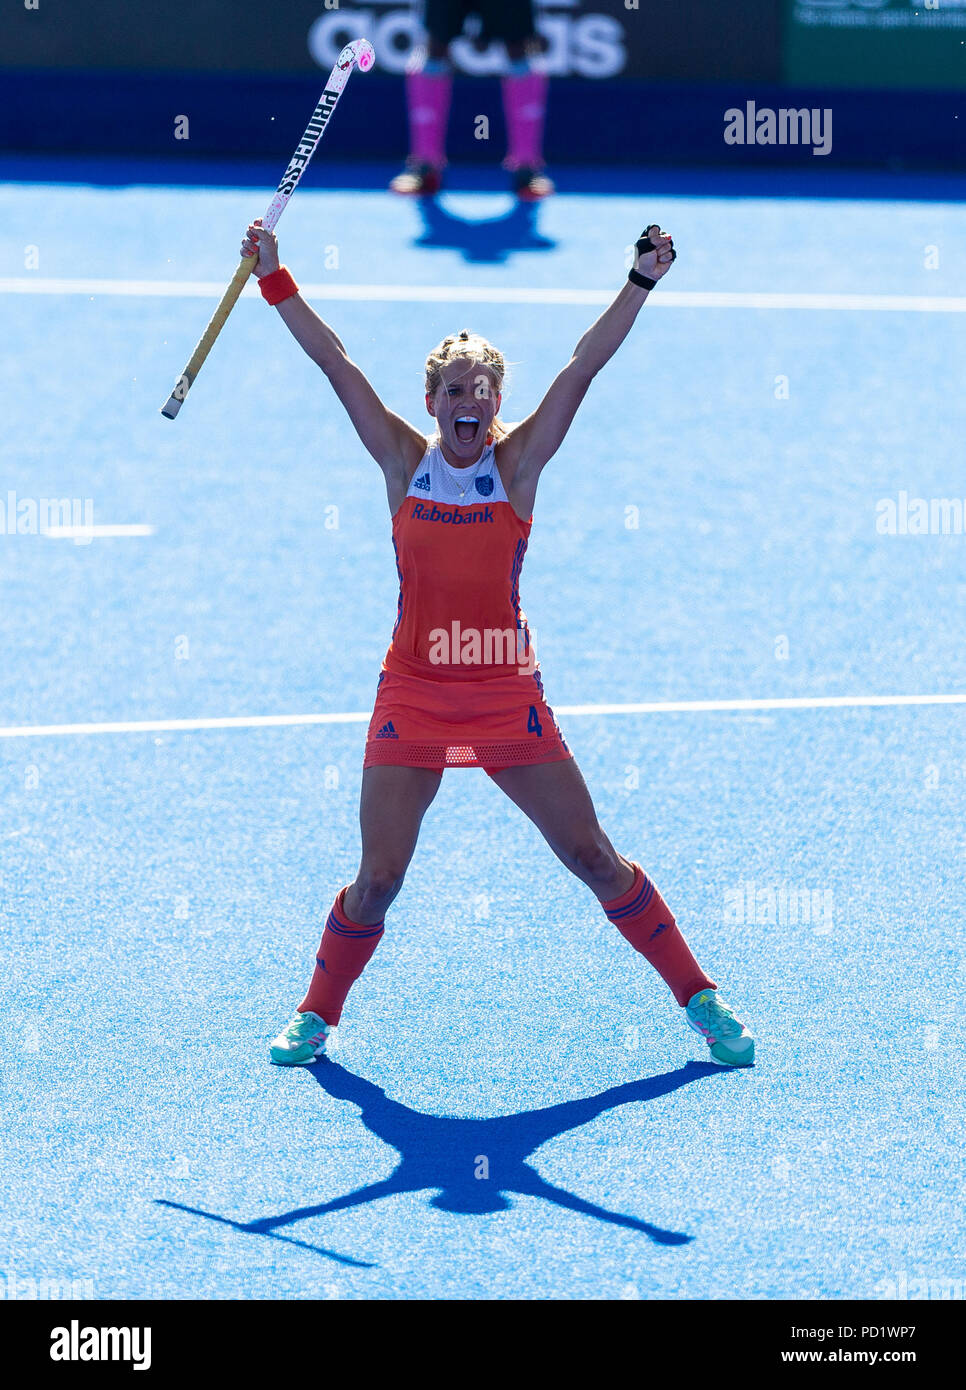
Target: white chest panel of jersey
435,480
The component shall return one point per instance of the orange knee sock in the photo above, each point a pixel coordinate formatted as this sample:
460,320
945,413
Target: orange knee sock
644,918
344,953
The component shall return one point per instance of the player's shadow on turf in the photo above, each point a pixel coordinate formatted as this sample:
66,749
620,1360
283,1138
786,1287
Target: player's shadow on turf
490,240
445,1154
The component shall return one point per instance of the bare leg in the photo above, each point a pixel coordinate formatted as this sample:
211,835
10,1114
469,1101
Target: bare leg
556,799
393,803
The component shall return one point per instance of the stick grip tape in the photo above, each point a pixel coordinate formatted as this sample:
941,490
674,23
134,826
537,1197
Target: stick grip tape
215,324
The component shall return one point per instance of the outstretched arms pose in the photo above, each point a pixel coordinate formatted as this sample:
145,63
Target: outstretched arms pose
397,446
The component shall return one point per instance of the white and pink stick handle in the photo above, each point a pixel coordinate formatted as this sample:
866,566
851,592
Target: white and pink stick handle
359,54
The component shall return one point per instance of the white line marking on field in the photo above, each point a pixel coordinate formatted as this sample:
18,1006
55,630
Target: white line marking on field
70,533
157,726
499,294
785,702
275,721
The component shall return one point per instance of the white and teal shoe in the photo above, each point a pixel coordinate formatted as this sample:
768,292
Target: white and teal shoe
301,1041
730,1042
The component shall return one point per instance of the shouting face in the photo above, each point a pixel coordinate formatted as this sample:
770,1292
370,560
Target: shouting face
464,406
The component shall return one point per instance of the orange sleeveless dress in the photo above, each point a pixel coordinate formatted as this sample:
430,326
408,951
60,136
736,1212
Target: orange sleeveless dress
460,685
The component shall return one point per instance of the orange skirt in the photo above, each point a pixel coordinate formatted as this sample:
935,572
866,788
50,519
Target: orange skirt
493,724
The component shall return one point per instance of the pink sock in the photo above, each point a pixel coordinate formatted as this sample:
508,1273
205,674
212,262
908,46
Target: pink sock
643,917
345,952
524,107
428,98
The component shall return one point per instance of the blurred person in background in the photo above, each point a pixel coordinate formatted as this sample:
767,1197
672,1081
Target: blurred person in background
429,85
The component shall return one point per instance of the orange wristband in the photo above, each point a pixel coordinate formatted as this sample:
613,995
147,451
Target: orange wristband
278,285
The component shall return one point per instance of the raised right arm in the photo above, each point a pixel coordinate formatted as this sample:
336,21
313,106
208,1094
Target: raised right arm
396,445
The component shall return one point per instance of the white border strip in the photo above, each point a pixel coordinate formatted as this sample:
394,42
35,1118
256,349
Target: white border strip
276,721
498,294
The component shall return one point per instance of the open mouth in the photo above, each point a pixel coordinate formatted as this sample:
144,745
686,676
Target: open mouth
467,428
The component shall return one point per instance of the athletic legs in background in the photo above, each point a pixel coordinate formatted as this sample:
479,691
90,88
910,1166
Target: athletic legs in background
428,95
525,109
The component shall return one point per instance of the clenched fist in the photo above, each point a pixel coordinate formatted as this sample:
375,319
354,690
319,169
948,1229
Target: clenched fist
261,243
655,252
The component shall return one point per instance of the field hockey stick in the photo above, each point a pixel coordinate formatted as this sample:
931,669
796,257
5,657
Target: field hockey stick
359,54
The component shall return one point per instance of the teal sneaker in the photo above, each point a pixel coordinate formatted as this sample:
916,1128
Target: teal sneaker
301,1041
730,1042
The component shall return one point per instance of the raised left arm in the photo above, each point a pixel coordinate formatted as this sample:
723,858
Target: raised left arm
531,444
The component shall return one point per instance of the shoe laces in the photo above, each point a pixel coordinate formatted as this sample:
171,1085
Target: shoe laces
304,1026
712,1010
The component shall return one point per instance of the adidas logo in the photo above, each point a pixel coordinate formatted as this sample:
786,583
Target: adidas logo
387,731
422,482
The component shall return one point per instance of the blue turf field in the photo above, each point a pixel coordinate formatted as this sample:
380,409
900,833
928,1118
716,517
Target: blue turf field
161,893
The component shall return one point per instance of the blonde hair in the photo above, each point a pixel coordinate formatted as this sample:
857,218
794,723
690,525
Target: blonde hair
473,348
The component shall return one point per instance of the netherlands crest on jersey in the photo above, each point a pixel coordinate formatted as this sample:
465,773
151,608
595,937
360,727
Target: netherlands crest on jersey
484,486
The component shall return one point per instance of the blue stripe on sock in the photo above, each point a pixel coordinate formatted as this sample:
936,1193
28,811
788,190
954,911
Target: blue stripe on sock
638,905
360,933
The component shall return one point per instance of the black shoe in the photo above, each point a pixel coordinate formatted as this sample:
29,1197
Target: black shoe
530,185
417,180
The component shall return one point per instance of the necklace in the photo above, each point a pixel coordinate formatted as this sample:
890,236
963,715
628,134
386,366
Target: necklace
471,473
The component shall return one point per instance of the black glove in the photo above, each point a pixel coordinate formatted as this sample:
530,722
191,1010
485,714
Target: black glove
643,245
